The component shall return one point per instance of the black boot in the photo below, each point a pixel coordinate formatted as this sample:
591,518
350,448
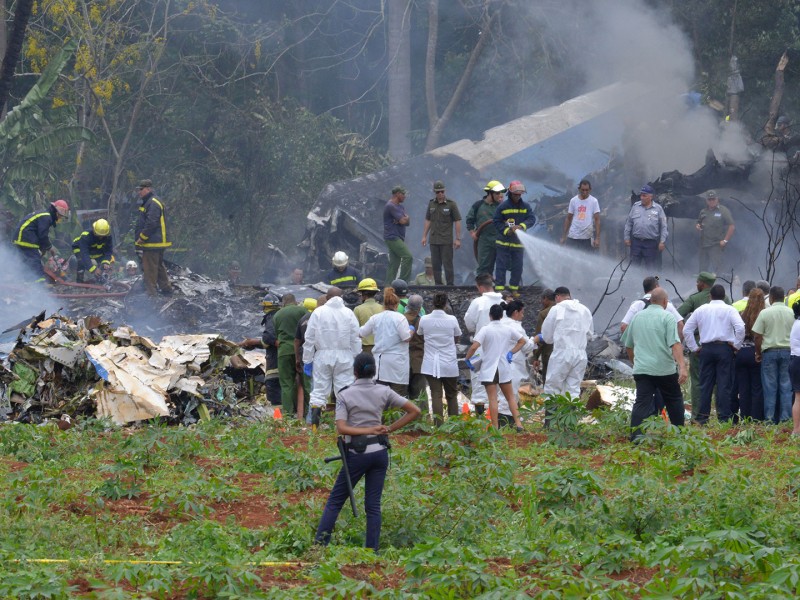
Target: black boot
480,409
79,277
315,413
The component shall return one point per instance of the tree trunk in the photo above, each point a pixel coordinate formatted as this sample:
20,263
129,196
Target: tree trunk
435,133
430,63
399,72
14,48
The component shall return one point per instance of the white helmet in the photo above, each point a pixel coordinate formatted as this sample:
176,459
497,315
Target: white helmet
131,265
340,259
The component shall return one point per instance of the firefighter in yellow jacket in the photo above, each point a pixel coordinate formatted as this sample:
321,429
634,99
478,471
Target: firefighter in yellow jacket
151,239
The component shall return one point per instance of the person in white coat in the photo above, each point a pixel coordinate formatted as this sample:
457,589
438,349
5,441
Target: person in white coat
568,327
515,312
439,360
332,342
476,317
392,333
498,344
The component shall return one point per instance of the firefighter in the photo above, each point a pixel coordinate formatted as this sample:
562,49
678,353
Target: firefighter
513,215
32,238
342,275
151,239
269,341
483,232
92,249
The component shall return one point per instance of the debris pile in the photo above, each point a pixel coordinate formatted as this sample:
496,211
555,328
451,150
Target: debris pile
51,367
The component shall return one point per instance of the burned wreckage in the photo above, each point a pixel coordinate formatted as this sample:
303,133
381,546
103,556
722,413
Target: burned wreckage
67,363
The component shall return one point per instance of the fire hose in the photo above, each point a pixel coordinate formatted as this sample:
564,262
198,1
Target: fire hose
478,236
102,291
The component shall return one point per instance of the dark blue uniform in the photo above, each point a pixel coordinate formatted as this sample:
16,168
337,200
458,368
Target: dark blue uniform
88,246
509,250
32,239
348,278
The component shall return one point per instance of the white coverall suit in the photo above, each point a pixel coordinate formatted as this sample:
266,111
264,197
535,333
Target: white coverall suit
568,327
332,342
476,317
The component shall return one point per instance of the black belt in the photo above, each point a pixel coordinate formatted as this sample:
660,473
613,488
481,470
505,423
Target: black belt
359,443
779,348
646,239
717,342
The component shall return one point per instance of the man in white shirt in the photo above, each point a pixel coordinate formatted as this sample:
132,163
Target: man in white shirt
583,219
721,332
332,342
637,306
476,317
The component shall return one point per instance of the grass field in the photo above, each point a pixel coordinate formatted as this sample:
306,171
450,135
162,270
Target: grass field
228,510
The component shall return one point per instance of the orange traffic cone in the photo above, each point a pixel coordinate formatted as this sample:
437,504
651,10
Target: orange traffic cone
277,415
489,413
664,415
465,411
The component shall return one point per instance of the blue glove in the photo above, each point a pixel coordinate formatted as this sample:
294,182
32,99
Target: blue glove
307,368
469,364
510,356
412,328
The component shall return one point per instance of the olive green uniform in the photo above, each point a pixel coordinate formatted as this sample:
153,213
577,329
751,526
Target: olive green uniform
714,223
480,218
363,312
286,321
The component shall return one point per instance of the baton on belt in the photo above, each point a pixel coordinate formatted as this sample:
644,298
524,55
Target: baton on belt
343,457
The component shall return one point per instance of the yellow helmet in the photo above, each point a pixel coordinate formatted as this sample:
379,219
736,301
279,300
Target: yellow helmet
367,285
309,304
491,185
101,227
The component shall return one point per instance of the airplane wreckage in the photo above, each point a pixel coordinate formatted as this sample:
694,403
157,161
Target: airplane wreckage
69,363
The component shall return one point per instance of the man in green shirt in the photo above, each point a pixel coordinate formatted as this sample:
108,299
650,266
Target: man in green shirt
437,232
480,224
285,321
426,277
653,345
771,334
716,226
368,288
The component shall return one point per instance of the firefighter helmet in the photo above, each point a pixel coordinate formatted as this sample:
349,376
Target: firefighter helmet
62,208
101,227
340,259
516,186
367,285
271,302
491,185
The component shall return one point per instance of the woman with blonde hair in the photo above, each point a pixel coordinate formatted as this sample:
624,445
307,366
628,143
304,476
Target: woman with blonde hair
748,371
392,333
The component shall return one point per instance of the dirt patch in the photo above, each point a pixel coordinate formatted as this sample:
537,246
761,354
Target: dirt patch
13,466
638,575
523,440
252,512
375,575
295,442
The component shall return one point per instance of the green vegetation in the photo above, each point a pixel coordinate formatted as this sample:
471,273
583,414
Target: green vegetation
228,510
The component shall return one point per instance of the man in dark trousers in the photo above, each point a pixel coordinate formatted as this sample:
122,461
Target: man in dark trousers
654,347
151,239
285,322
442,213
268,341
513,215
32,239
481,226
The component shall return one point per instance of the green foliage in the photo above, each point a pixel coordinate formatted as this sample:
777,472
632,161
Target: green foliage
567,425
31,582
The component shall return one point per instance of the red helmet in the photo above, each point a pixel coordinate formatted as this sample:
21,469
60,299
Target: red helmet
62,208
516,186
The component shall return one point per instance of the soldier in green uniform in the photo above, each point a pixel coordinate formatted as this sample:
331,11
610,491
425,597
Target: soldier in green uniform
702,296
442,213
285,322
480,226
368,288
716,226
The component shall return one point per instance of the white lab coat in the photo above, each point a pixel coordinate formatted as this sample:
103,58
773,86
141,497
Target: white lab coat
476,317
496,339
440,331
519,366
568,327
391,333
332,342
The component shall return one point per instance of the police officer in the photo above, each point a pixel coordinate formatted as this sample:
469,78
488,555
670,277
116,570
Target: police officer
442,213
92,249
359,412
646,231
